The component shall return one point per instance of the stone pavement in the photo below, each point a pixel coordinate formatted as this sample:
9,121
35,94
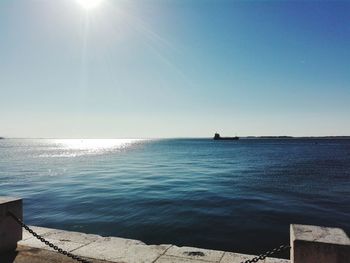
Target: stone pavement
113,249
25,254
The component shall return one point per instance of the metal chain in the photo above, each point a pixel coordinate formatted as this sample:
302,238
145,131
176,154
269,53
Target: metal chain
36,235
267,254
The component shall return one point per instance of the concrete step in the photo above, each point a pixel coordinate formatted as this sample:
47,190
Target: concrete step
115,249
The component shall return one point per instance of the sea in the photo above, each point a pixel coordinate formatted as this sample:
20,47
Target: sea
236,196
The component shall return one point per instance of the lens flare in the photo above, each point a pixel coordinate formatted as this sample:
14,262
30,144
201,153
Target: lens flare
90,4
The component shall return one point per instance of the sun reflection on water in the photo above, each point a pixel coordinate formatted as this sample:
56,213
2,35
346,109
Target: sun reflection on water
78,147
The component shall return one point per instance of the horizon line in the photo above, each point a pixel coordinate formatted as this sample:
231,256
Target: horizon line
181,137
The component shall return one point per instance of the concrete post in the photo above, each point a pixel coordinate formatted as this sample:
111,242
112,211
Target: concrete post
316,244
10,230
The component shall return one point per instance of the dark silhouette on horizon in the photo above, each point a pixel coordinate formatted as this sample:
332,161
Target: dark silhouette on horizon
218,137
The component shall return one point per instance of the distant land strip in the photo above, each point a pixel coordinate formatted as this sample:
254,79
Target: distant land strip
296,137
242,137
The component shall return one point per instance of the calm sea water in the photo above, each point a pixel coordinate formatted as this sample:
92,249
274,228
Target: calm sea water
237,196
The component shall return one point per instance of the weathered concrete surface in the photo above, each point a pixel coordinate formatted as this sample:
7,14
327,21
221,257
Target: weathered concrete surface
114,249
68,241
195,253
171,259
65,245
230,257
70,236
122,250
25,254
311,244
40,230
10,231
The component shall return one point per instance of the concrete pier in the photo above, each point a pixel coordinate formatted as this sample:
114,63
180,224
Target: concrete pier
10,231
115,249
315,244
309,244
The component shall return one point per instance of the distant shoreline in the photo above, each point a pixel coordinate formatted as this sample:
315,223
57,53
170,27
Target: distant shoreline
241,137
296,137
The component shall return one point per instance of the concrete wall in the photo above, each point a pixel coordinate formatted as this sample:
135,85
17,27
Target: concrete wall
316,244
10,230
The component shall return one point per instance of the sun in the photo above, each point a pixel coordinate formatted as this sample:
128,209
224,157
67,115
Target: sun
89,4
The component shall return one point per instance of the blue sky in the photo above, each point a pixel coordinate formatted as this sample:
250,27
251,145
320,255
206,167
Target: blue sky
166,68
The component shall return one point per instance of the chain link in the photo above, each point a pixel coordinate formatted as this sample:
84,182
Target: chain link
267,254
48,243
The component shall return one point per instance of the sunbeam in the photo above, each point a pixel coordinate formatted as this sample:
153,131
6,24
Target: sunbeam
89,4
